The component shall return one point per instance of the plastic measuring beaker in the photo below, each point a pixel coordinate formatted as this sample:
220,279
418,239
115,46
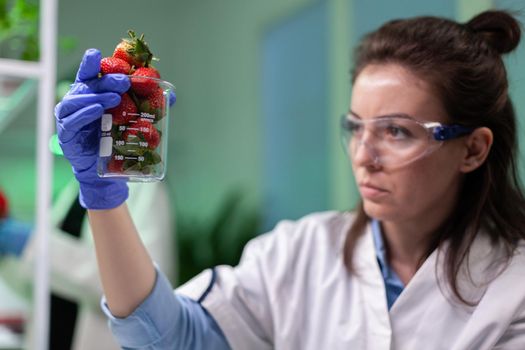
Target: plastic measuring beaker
134,135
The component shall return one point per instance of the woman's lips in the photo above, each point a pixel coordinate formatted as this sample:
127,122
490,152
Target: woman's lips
369,191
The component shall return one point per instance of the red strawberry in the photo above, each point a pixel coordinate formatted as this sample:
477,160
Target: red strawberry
145,131
134,50
143,86
116,165
154,104
147,72
114,65
125,111
4,205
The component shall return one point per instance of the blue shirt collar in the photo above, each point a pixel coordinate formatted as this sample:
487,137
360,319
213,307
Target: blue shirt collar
380,248
393,284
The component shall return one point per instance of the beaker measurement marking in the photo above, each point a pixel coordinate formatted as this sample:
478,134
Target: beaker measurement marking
139,158
132,143
124,113
147,116
133,129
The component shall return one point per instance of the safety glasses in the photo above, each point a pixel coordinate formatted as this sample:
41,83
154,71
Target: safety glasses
397,140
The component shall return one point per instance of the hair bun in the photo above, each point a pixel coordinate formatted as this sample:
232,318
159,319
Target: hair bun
498,28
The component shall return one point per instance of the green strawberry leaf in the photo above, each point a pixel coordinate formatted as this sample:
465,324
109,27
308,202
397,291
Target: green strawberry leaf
116,133
152,157
159,114
128,164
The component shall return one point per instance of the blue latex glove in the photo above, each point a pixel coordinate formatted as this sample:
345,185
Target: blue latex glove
13,236
78,128
172,99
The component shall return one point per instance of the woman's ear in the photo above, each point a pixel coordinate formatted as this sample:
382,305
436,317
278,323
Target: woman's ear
477,145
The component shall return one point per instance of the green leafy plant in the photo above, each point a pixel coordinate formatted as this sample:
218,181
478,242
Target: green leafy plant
19,30
221,240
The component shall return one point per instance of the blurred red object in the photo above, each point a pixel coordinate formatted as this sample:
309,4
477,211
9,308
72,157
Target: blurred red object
15,322
4,205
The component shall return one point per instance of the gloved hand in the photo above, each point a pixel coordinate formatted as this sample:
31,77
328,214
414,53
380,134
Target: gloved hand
78,128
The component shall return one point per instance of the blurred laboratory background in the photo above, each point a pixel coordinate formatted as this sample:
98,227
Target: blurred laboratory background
260,85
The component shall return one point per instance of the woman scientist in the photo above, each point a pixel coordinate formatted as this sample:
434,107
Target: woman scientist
432,259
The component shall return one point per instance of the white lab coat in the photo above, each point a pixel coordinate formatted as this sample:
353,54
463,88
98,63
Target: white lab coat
73,266
291,290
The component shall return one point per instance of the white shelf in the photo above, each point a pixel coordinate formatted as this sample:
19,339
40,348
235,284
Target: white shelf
23,69
45,72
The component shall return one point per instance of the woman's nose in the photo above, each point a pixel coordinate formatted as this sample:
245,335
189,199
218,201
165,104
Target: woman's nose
362,152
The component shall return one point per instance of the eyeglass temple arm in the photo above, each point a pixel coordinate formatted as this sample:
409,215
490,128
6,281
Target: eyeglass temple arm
448,132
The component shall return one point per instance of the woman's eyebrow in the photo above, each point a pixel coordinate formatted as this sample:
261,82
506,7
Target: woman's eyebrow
354,114
392,115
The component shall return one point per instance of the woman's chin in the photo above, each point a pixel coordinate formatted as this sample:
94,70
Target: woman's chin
381,211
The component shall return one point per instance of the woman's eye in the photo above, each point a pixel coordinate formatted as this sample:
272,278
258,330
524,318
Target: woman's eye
354,128
397,132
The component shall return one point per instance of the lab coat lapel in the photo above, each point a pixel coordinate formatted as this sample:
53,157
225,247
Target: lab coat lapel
373,291
427,299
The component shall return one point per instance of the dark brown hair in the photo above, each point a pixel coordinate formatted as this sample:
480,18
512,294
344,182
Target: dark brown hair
463,63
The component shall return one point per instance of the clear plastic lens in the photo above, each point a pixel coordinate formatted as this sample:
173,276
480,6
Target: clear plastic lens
392,141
